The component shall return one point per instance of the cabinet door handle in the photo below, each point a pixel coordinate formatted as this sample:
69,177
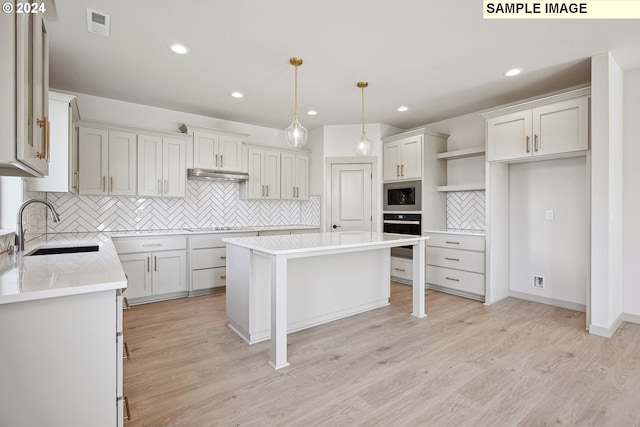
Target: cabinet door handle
221,160
104,184
166,186
452,242
216,160
126,350
535,142
452,259
397,170
263,191
74,184
452,279
151,245
126,408
155,263
111,184
267,190
223,257
148,264
527,144
44,123
223,277
399,269
401,170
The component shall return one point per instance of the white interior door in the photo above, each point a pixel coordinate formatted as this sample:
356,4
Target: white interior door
351,197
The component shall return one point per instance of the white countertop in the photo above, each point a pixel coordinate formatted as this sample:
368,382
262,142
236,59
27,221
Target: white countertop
314,242
458,232
217,230
25,278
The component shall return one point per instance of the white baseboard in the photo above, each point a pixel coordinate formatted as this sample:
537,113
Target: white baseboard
607,332
632,318
549,301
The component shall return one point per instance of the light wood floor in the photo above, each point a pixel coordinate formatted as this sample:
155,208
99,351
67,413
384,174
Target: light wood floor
515,363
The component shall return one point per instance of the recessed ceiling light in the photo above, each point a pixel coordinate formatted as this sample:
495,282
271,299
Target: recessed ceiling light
179,48
237,94
403,108
312,112
513,72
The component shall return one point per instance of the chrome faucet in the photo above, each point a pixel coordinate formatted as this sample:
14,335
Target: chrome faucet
20,231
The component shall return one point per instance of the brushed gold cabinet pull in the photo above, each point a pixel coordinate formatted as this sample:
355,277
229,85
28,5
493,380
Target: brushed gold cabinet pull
223,257
397,170
104,184
267,190
74,184
111,185
44,123
223,277
216,160
263,191
451,278
401,170
452,259
535,142
528,144
452,242
155,263
399,269
148,264
221,160
126,350
126,408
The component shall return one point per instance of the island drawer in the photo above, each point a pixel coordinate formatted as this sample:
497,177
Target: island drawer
454,241
402,268
208,258
457,259
455,279
125,245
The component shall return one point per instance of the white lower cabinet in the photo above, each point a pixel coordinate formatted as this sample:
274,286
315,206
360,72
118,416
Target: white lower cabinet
209,260
156,267
456,264
61,361
401,270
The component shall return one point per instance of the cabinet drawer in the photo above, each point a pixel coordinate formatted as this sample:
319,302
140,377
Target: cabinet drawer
402,268
126,245
214,240
457,259
208,278
455,279
455,241
208,258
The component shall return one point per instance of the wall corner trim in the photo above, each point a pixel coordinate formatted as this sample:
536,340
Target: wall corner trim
607,332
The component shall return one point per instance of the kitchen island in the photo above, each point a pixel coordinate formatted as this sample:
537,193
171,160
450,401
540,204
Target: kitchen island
281,284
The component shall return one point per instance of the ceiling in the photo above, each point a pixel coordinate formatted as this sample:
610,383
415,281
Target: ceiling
440,58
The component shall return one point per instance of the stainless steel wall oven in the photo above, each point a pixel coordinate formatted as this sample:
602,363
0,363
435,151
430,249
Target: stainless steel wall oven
402,224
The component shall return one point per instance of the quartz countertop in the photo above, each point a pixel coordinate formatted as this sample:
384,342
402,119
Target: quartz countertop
300,243
459,232
215,229
26,278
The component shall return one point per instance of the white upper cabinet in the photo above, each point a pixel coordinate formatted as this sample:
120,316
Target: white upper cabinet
25,73
161,166
264,175
402,159
217,150
107,162
63,167
294,176
555,128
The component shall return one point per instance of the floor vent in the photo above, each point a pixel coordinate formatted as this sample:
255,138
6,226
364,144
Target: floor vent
98,22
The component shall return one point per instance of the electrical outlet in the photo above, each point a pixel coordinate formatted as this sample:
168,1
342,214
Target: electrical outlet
549,214
538,282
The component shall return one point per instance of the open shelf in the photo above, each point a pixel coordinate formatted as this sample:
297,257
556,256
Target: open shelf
461,154
462,187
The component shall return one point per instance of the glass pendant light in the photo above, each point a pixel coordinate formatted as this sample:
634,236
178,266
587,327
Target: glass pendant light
296,134
364,146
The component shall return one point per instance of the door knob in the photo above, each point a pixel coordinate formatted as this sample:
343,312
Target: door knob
336,226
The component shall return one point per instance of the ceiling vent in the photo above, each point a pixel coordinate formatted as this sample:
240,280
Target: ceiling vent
98,22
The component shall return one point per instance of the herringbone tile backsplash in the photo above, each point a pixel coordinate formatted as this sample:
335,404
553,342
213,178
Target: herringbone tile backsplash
207,204
466,210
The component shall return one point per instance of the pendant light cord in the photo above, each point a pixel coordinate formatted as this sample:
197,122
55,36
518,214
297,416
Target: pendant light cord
295,95
363,110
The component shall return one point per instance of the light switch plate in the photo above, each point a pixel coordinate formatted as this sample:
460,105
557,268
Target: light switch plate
549,214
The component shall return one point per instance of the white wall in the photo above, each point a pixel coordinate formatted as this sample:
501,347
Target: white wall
556,249
10,201
606,194
631,194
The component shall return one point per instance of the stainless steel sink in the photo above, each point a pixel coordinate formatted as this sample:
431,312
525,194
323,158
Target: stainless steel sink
49,250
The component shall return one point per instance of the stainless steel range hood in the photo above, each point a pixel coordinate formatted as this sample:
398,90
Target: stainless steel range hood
212,175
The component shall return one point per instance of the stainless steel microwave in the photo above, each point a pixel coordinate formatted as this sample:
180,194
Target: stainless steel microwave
402,196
